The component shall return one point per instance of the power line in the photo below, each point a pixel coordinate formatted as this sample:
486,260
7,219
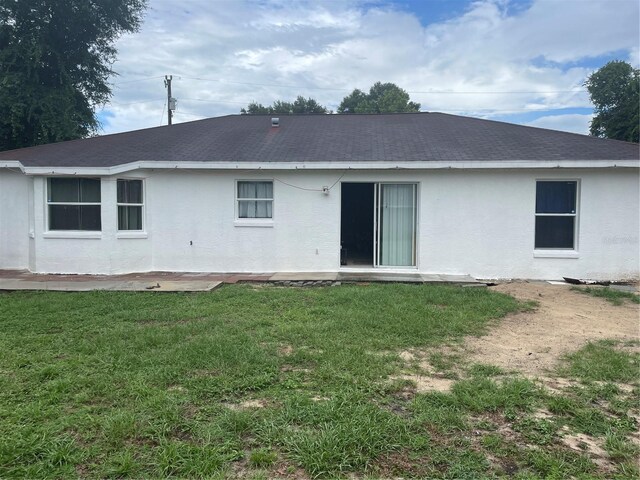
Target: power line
135,80
262,84
428,92
540,92
205,100
190,114
135,103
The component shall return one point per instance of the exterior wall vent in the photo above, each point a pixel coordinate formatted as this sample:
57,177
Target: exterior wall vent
275,122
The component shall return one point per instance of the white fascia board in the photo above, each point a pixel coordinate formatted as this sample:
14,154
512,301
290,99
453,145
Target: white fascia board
11,164
414,165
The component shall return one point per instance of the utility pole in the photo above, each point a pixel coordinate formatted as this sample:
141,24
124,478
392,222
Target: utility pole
171,102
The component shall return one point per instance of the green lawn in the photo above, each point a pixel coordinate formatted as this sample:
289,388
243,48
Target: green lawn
616,297
264,382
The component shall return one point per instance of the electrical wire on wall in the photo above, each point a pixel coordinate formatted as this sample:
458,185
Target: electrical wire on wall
312,189
158,172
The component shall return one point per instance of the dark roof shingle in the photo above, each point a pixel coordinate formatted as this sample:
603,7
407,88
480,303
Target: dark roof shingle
328,138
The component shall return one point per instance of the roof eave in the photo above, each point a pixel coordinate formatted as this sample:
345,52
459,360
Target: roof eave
339,165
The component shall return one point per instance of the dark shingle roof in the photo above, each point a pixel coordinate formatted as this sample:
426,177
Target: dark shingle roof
328,138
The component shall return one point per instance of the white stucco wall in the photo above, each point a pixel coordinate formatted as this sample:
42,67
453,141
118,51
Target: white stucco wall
15,193
491,218
478,222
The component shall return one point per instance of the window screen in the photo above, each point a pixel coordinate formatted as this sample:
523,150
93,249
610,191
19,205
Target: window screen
130,204
74,204
556,214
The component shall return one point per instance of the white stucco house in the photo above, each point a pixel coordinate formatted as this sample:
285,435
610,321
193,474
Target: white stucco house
427,192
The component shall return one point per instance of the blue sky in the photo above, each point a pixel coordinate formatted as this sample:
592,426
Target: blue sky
521,61
436,11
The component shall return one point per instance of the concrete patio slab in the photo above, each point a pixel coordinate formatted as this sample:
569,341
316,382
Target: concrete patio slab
182,286
111,285
204,281
57,285
446,278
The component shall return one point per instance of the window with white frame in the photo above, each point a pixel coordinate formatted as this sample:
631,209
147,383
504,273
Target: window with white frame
255,199
130,205
556,214
74,204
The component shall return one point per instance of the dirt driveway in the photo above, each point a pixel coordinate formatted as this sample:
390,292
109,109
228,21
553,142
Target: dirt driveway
533,342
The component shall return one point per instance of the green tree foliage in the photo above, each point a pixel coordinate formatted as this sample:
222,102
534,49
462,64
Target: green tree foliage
299,105
615,92
55,60
382,98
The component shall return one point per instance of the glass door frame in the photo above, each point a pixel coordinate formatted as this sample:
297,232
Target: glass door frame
377,212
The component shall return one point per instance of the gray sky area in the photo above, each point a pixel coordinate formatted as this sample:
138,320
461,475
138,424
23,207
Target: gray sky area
521,61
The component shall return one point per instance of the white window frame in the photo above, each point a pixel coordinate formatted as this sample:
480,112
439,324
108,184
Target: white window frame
70,233
557,252
124,233
253,222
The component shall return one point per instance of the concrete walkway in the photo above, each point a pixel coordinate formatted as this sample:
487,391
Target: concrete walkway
202,282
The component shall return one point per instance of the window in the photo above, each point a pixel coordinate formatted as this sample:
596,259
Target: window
130,203
556,214
255,199
74,204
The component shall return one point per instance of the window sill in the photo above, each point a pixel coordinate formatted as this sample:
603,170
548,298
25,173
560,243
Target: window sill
555,254
73,234
132,234
254,223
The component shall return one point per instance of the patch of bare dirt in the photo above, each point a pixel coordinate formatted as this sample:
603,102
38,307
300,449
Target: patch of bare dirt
291,368
390,465
426,383
176,388
285,350
82,470
407,355
241,469
289,471
582,443
248,404
533,342
542,414
556,384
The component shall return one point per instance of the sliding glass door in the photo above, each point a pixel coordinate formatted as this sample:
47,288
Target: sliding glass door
395,224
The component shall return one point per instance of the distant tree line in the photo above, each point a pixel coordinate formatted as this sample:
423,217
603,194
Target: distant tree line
299,105
382,98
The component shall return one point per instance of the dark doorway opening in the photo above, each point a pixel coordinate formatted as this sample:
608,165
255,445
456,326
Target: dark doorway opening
356,224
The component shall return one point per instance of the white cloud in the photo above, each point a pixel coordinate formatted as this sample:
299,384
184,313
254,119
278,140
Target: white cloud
268,50
575,123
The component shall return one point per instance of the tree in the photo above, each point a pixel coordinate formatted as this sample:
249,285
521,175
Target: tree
55,60
615,92
382,98
299,105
